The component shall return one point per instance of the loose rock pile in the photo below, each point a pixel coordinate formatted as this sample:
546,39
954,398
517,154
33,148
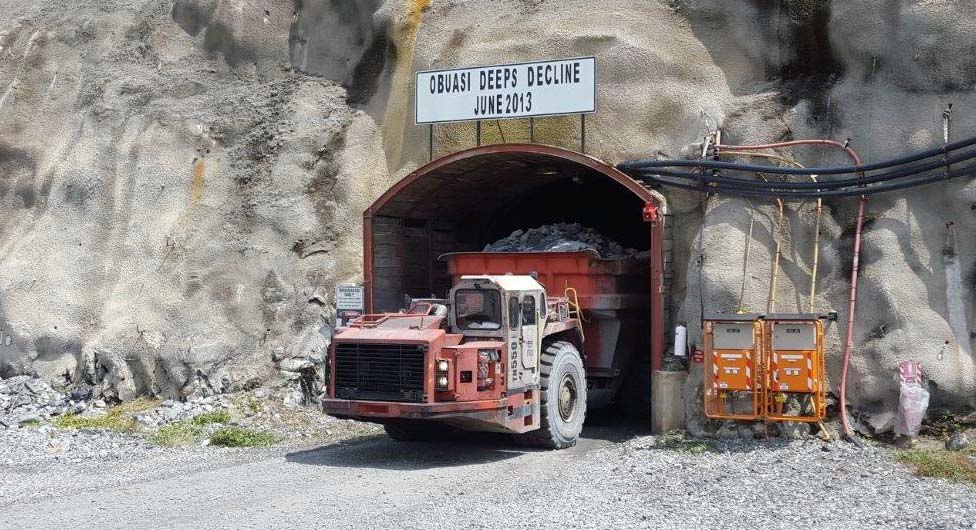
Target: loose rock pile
34,447
171,411
561,237
24,399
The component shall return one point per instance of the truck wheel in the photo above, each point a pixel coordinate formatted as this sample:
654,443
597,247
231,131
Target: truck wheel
563,403
413,431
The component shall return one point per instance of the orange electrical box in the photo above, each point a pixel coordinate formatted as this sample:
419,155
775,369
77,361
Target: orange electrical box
796,368
733,366
764,367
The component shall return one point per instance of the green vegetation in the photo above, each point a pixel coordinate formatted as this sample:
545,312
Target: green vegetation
216,416
177,434
120,418
241,437
253,405
939,463
680,443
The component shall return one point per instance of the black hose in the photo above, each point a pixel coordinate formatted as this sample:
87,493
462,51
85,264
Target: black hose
778,170
712,164
770,192
819,185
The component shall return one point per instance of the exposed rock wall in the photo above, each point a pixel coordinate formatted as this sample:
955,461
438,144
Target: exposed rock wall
176,199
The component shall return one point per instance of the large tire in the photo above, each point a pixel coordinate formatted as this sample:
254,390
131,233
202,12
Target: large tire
414,431
563,384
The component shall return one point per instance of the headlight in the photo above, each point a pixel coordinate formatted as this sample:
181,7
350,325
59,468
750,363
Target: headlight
442,366
442,381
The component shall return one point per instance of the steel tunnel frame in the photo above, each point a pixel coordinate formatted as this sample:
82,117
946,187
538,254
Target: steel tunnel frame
654,210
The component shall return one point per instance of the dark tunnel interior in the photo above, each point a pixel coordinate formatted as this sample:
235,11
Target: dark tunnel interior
468,203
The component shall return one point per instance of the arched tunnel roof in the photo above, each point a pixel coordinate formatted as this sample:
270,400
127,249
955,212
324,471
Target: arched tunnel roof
456,185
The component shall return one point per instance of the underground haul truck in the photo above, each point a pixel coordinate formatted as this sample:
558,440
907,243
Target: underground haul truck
513,342
499,353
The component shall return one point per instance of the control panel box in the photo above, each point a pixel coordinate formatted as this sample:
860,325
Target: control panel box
796,371
733,355
733,348
768,367
793,365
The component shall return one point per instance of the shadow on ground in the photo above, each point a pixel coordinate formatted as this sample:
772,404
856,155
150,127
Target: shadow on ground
460,449
386,453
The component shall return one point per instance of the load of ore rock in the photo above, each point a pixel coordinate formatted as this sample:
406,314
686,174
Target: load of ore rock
561,237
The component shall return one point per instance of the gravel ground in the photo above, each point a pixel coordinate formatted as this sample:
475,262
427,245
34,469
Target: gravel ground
45,462
612,479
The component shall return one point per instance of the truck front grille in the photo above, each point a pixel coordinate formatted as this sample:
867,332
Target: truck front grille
381,372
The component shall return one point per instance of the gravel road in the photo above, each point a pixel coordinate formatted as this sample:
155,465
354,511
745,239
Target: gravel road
614,478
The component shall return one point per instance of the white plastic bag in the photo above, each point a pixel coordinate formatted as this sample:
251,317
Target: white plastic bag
913,399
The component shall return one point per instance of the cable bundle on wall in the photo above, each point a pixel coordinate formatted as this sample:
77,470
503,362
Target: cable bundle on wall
645,169
900,173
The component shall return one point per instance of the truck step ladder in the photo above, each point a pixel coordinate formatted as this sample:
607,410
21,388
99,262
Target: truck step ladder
575,312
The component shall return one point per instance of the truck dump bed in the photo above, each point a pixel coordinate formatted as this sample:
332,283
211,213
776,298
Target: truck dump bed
614,296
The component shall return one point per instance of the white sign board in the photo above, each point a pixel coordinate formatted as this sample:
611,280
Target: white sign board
548,88
730,336
349,298
794,336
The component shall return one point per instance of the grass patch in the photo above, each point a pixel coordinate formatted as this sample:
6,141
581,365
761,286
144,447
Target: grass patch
177,434
216,416
679,443
939,463
190,431
241,437
253,405
120,418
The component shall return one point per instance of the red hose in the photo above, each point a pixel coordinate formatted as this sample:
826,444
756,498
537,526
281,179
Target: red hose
849,341
850,152
850,319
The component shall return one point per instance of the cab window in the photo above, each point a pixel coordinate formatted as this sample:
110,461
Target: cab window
528,310
478,309
513,313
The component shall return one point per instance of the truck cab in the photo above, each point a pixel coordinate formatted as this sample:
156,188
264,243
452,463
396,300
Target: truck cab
506,308
496,355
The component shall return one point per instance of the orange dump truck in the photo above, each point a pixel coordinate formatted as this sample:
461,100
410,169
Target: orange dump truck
520,345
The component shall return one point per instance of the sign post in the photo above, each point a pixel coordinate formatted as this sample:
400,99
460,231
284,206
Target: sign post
547,88
349,304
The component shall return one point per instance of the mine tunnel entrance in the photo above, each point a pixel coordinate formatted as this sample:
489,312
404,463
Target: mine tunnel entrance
462,202
467,200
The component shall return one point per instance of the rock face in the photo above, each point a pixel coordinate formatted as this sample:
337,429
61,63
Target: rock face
25,399
176,199
181,182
